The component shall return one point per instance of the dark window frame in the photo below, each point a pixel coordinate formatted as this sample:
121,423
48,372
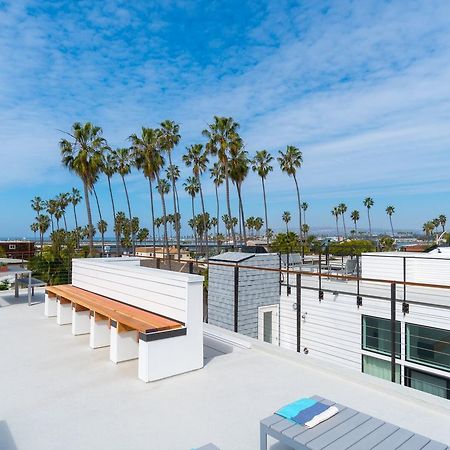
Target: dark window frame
407,379
399,334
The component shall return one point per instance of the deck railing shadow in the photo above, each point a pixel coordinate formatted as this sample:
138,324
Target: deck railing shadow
6,439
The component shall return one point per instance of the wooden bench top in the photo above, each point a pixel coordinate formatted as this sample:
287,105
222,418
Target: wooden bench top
130,316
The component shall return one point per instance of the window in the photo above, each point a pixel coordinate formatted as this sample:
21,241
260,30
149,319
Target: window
426,382
379,368
377,335
428,346
12,246
267,318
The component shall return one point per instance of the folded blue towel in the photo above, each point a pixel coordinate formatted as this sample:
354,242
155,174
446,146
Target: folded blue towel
307,414
291,410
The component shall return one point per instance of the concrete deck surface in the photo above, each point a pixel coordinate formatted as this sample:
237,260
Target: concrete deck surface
57,393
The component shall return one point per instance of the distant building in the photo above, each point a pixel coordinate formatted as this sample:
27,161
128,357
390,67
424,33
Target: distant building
18,249
160,252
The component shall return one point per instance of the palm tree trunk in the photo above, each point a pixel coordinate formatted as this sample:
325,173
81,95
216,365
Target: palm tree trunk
299,207
114,217
356,228
392,228
370,225
337,228
227,188
177,225
287,229
166,237
103,243
100,215
205,224
343,222
133,236
194,229
241,208
42,240
75,215
89,216
65,223
218,214
153,217
265,209
53,225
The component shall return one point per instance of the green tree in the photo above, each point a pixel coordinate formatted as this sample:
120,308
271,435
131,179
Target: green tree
305,229
387,243
43,222
368,203
142,235
102,226
428,228
75,198
352,247
355,217
286,243
38,205
222,135
34,227
286,219
63,200
290,161
389,211
84,157
261,164
442,221
51,207
197,158
304,206
169,139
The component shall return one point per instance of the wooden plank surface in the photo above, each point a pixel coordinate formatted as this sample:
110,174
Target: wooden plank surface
127,315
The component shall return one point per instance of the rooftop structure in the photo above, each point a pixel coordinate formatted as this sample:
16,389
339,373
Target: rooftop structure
58,393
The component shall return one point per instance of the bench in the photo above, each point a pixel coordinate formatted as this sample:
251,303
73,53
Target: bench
349,429
139,312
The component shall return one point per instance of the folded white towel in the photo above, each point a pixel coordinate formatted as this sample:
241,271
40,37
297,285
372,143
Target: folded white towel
330,412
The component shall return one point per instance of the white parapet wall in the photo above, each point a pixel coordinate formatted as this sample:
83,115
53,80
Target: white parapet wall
178,296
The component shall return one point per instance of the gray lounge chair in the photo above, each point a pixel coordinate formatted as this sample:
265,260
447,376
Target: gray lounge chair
348,429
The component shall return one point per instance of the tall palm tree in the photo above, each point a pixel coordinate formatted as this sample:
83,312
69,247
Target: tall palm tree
258,224
290,161
261,165
197,158
142,235
34,227
218,176
43,223
109,168
239,166
305,229
368,203
428,228
442,221
221,135
170,137
75,198
63,200
173,173
148,159
335,213
163,188
389,211
191,186
37,204
84,157
342,210
355,217
102,226
286,219
51,207
304,206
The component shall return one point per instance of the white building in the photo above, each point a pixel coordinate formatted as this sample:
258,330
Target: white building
336,329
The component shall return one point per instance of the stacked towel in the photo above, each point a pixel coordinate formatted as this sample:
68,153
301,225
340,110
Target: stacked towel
307,412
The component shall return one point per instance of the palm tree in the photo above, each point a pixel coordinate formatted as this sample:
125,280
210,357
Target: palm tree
102,226
43,223
142,235
37,204
84,157
191,186
290,161
148,159
75,198
197,158
286,219
258,224
51,207
442,221
163,188
63,200
428,228
158,223
368,203
250,223
305,229
239,165
58,213
342,210
218,176
304,208
170,137
173,173
335,213
389,211
221,135
109,168
355,217
34,227
261,165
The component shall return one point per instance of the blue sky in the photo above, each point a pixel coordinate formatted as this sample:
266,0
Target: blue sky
363,88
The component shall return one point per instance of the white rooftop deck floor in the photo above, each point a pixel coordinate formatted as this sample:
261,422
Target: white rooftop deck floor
57,393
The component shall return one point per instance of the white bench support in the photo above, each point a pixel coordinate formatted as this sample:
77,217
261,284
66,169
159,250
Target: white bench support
124,344
63,312
100,333
50,306
81,323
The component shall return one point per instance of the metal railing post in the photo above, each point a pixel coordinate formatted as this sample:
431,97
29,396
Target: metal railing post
191,267
320,280
236,297
393,331
158,263
298,309
288,287
358,275
279,274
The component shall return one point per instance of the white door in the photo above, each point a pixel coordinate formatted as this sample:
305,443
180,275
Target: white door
268,324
